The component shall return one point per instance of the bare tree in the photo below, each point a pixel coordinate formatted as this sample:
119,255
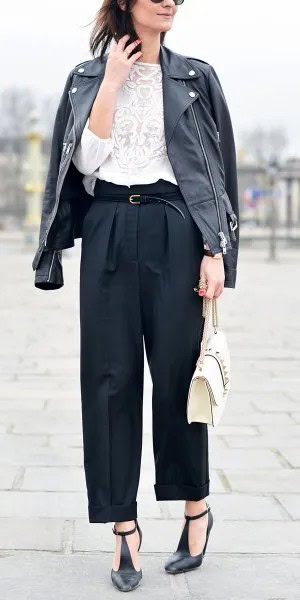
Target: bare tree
16,104
262,144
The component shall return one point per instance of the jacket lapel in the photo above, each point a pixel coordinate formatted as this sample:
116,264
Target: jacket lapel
89,75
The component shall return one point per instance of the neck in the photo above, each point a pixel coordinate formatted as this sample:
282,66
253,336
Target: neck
150,48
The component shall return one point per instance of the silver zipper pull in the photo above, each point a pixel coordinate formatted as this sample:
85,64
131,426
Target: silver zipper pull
223,241
233,222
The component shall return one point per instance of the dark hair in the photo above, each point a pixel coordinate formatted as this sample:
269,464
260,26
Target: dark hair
113,23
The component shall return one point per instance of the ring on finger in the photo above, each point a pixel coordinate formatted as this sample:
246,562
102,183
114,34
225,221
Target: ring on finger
203,284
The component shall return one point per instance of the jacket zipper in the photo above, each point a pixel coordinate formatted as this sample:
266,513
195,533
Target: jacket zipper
52,261
221,234
63,162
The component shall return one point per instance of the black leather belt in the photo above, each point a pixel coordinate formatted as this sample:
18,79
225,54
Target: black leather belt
140,199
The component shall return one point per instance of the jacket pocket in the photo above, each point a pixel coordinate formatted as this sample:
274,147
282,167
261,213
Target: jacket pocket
232,219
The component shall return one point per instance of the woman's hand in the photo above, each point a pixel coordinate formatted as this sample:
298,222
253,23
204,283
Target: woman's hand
212,269
118,64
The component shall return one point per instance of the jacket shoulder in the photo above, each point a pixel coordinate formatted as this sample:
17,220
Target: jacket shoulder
204,66
85,62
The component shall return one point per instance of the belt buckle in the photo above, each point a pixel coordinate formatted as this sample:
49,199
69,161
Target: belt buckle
134,196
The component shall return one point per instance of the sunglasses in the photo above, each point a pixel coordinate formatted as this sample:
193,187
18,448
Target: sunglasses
177,2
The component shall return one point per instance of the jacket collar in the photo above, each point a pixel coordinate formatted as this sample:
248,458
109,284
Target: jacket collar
177,96
173,65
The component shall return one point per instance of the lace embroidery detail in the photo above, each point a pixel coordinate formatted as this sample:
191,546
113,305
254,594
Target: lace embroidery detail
138,126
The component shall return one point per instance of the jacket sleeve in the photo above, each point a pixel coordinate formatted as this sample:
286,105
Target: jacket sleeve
221,115
46,262
91,151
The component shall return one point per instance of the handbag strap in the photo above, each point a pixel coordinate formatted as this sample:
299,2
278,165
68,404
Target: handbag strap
208,304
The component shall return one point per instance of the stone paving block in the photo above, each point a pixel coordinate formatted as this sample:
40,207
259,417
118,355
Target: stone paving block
292,455
291,504
267,384
68,403
42,456
292,430
11,441
54,479
49,422
15,392
71,441
21,404
232,430
79,576
217,443
260,537
240,577
257,418
238,507
262,441
72,577
8,474
273,402
296,416
60,505
264,480
237,405
57,364
293,394
3,428
246,459
30,534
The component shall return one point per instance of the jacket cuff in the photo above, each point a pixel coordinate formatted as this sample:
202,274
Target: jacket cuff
230,278
49,271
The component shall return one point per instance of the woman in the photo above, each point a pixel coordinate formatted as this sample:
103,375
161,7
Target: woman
143,168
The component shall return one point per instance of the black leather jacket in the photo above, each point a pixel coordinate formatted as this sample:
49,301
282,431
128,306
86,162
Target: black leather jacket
200,146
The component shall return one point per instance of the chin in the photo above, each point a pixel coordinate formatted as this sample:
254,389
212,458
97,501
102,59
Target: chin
166,27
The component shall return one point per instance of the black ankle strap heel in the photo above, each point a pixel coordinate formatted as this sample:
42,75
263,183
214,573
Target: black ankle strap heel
126,578
182,560
189,518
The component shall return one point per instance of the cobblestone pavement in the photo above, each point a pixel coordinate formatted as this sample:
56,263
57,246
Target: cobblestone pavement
47,547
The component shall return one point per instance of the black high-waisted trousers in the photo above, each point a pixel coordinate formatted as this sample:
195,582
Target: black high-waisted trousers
139,264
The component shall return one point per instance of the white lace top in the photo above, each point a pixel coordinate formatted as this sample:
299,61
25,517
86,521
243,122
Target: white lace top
136,151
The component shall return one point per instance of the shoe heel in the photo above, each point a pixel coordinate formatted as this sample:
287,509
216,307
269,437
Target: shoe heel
209,526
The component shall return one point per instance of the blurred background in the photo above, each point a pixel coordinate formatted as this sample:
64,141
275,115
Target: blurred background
45,538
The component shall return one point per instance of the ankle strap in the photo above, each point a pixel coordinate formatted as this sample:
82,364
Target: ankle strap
124,532
198,516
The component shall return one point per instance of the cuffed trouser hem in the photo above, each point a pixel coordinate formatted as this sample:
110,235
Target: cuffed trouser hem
114,512
181,492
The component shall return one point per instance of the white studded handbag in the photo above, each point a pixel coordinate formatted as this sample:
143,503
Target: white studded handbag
210,382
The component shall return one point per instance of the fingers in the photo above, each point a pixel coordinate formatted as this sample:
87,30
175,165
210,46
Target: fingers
214,289
219,289
210,290
122,41
135,56
130,47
